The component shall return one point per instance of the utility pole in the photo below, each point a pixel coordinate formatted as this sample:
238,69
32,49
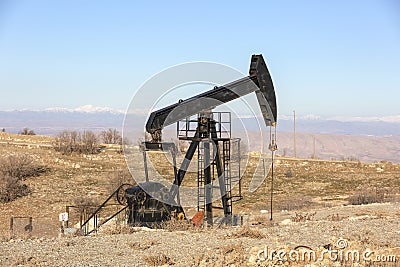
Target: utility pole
273,147
314,156
294,133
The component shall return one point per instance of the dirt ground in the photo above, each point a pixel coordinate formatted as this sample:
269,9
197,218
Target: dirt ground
311,212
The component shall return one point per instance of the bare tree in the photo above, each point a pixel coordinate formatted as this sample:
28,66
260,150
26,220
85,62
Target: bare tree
27,131
68,142
89,143
111,136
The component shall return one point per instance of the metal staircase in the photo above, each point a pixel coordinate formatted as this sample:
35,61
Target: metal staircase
91,223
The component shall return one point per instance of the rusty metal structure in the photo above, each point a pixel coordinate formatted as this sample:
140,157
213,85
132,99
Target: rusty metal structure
151,202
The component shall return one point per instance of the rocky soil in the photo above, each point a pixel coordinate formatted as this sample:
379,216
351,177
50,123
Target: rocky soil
373,227
311,213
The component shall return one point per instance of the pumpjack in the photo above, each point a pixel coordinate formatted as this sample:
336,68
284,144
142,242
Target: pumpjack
151,202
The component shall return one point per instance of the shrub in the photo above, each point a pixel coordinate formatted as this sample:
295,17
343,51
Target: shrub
14,169
68,142
367,196
334,218
11,189
158,260
20,166
249,232
299,217
143,245
289,174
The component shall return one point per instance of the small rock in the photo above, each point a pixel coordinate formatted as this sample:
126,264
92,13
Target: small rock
286,222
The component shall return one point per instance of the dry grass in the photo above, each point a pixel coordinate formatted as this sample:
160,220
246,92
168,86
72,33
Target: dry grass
367,195
142,245
233,254
249,232
68,242
184,225
21,166
86,204
28,261
63,183
119,177
334,218
303,217
158,260
175,225
263,220
296,202
5,235
118,229
228,255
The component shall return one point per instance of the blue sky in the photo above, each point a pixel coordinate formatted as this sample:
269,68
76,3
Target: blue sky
329,58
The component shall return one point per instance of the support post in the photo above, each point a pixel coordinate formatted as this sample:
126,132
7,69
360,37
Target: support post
208,182
273,147
314,155
146,171
294,133
272,181
178,198
11,227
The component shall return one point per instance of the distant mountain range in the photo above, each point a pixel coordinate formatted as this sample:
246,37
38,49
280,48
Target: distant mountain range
345,126
355,136
54,120
86,109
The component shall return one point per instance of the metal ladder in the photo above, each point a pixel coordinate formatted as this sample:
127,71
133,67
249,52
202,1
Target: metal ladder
201,193
226,148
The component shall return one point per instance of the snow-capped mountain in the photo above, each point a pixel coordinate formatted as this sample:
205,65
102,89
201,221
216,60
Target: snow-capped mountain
86,109
367,138
53,120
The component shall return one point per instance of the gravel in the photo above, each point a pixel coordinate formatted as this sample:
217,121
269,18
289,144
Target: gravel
225,246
